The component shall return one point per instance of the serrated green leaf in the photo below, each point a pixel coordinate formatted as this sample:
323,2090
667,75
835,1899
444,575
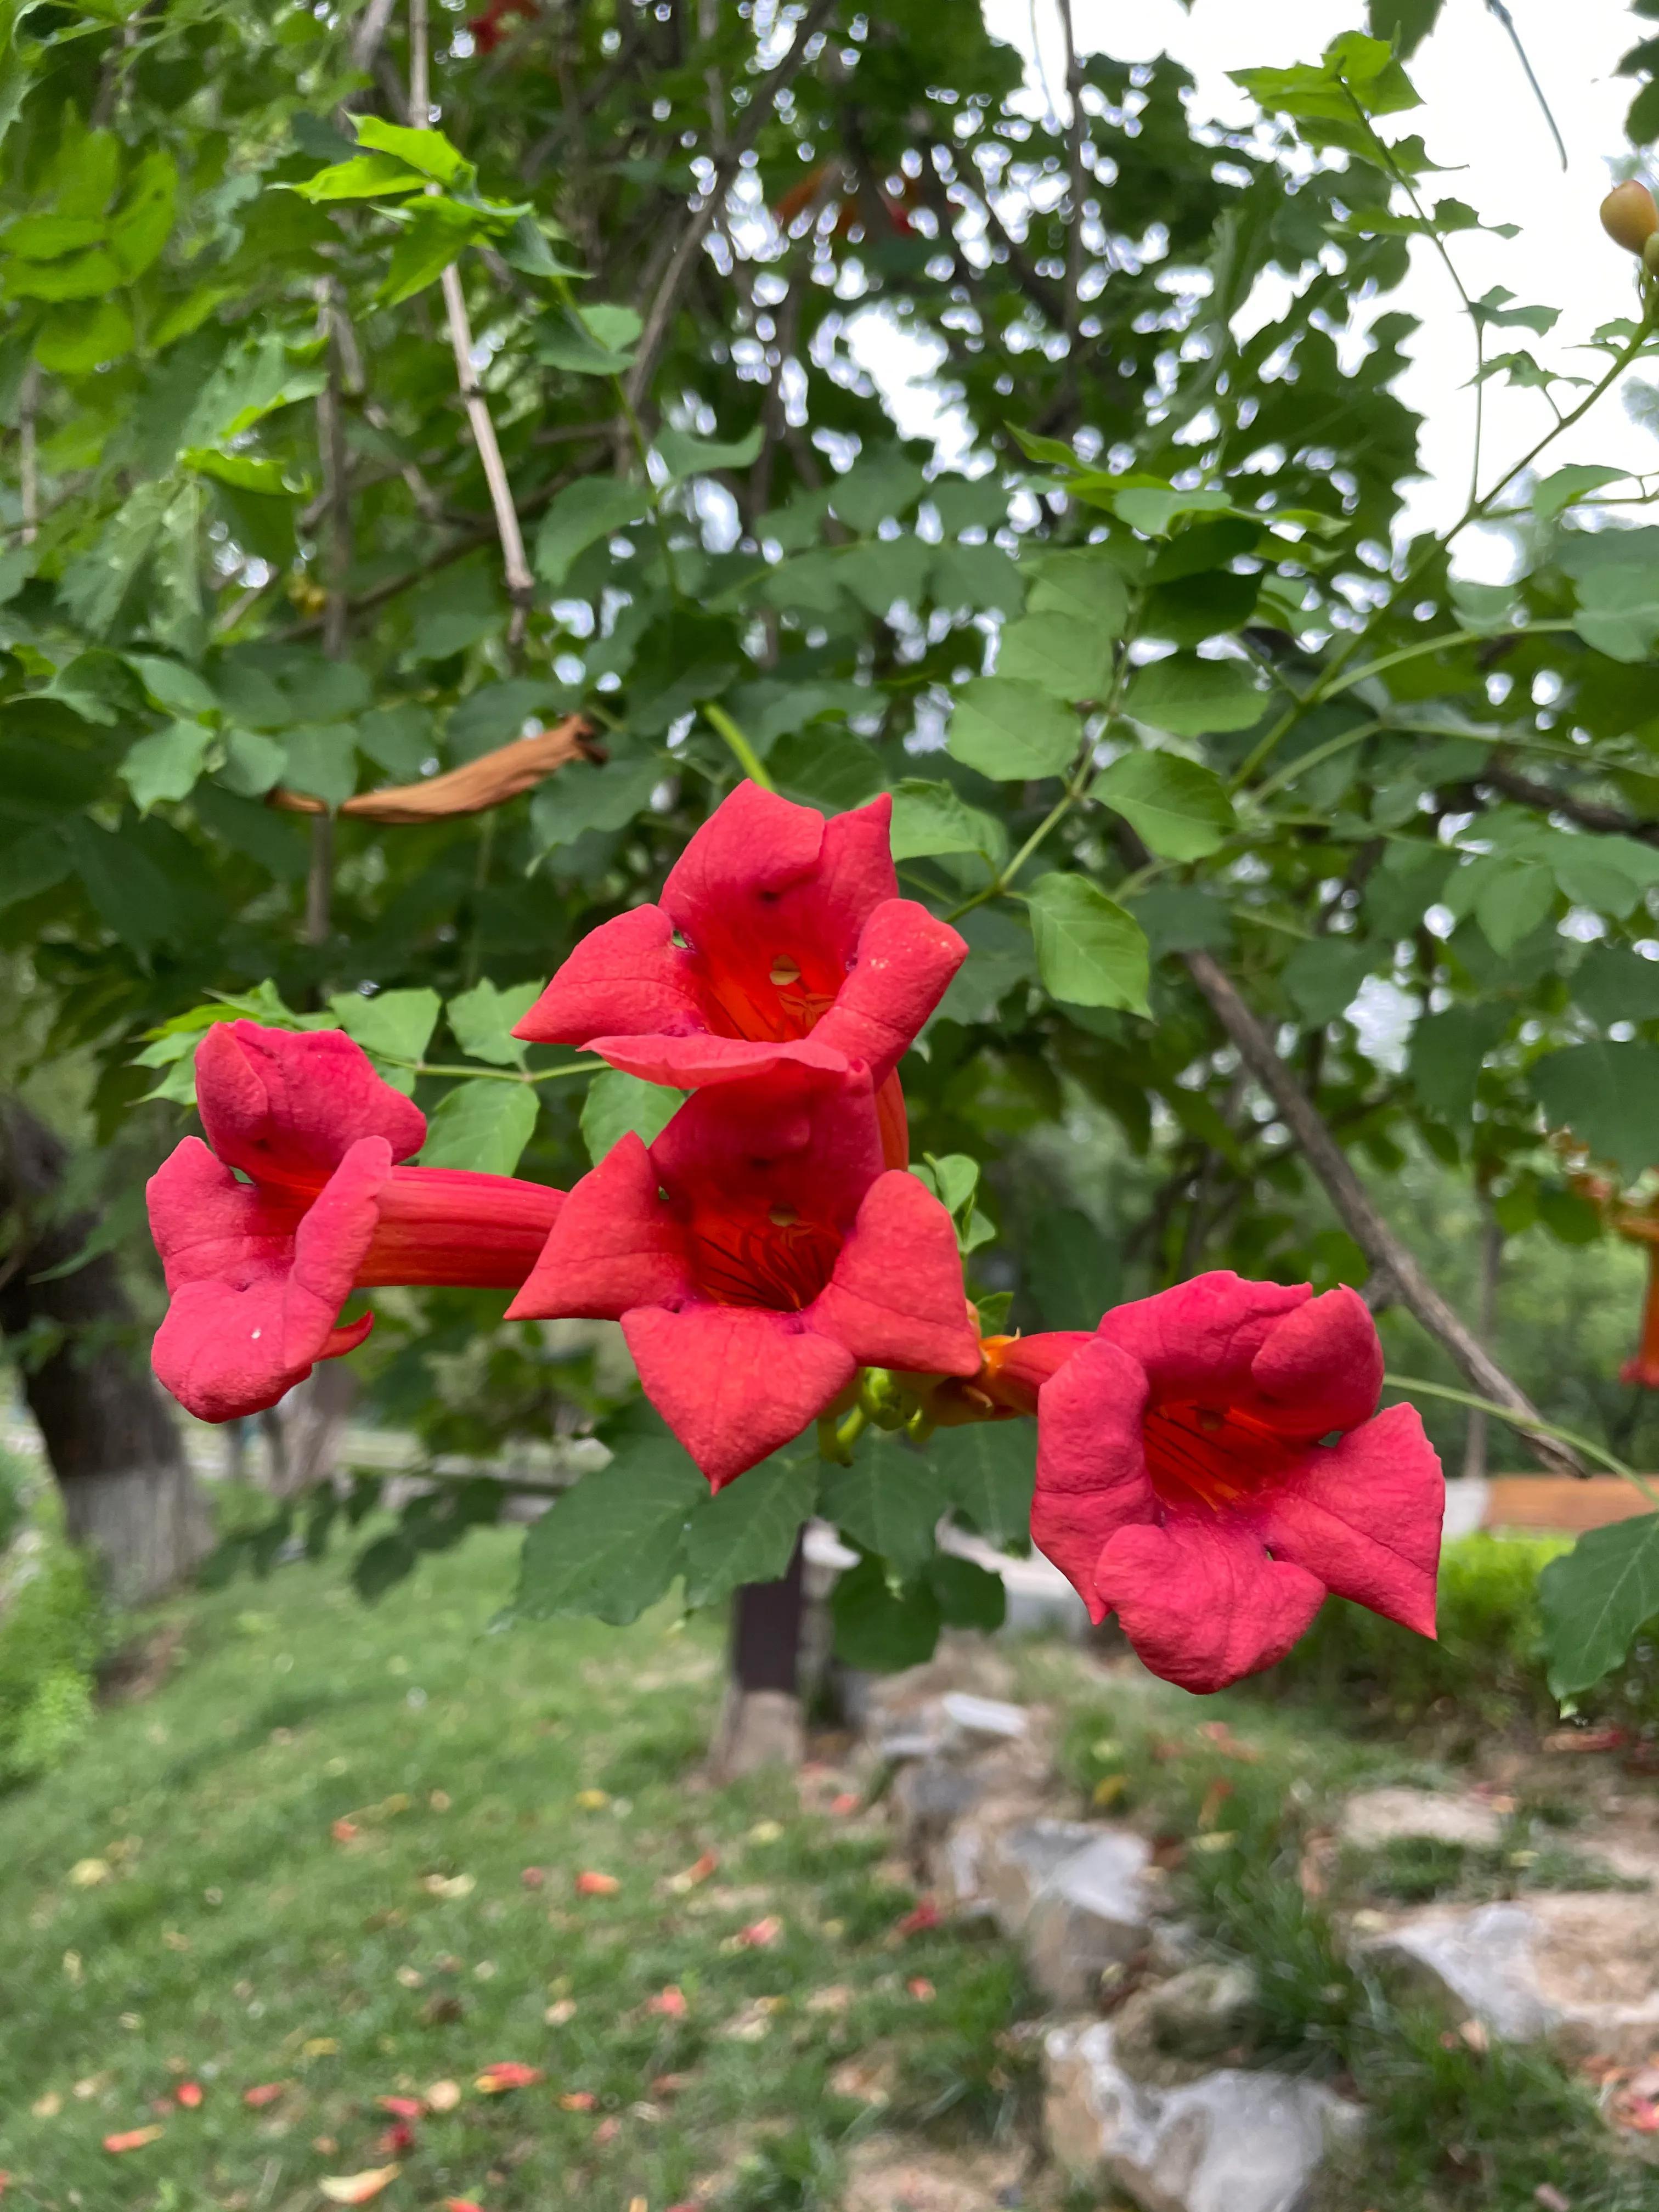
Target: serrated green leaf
1595,1599
684,456
594,507
931,818
1069,658
746,1533
433,233
482,1125
428,151
482,1019
968,1595
1178,808
1557,493
166,764
988,1470
179,690
1448,1051
364,177
617,1105
827,769
1607,1095
1011,732
585,796
614,1542
74,340
879,1631
398,1023
1193,698
1090,951
888,1501
1323,977
252,765
320,760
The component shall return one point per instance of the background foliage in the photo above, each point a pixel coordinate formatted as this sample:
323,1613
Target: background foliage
1133,648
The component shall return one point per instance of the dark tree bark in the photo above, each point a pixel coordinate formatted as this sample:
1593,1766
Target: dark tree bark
128,1490
761,1721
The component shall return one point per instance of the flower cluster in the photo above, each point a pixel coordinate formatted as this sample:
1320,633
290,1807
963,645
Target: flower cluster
1210,1463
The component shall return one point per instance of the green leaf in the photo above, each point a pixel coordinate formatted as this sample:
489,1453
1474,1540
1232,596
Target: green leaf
74,340
1087,587
398,1023
243,472
1000,956
1069,658
321,761
483,1125
1612,874
1557,493
428,151
482,1019
166,764
179,690
827,769
585,512
746,1533
1618,612
1090,951
1607,1095
618,1104
94,584
1447,1054
1323,977
885,571
684,456
1194,609
569,341
1179,809
888,1501
882,485
1595,1599
585,796
931,818
1011,731
968,1596
988,1469
433,233
1192,698
614,1542
253,765
879,1631
1074,1273
364,177
1613,984
130,893
1404,23
981,577
1203,546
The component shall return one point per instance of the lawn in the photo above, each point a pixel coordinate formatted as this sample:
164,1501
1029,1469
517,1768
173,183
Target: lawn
337,1851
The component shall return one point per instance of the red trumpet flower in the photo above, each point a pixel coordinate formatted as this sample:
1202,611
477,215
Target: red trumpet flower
294,1202
756,1255
780,939
1183,1483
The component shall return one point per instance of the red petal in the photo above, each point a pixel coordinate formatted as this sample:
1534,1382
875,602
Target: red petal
189,2094
734,1383
696,1062
628,975
288,1108
896,1299
614,1246
1202,1603
1365,1516
904,963
133,2139
1321,1366
1091,1477
266,2092
1200,1340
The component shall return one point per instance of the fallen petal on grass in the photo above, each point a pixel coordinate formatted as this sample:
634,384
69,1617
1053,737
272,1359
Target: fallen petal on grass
189,2094
443,2096
133,2139
508,2074
590,1883
263,2093
358,2188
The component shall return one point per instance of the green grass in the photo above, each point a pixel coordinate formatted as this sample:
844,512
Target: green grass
235,1942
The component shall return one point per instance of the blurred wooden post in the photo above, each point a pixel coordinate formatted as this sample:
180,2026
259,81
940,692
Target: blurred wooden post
762,1721
1476,1435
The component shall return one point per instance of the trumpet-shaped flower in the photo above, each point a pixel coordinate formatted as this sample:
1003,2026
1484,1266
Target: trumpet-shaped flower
756,1255
1185,1481
295,1202
781,938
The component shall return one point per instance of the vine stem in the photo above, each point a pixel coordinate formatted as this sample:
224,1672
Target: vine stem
1532,1423
488,1074
742,752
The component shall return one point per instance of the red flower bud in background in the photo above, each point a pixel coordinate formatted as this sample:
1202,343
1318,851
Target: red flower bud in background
756,1255
780,940
1181,1482
294,1202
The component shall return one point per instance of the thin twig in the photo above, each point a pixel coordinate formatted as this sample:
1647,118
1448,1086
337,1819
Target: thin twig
520,584
336,618
762,102
1504,17
368,32
1354,1205
1078,173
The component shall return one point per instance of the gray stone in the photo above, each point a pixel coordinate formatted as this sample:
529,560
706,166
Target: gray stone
1075,1892
1578,1971
1019,1861
1230,2141
929,1796
1377,1817
1197,2014
973,1723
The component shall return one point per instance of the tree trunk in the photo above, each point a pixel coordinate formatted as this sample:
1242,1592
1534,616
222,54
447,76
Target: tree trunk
762,1722
128,1490
310,1427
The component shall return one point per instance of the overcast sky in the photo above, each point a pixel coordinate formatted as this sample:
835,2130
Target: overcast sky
1480,121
